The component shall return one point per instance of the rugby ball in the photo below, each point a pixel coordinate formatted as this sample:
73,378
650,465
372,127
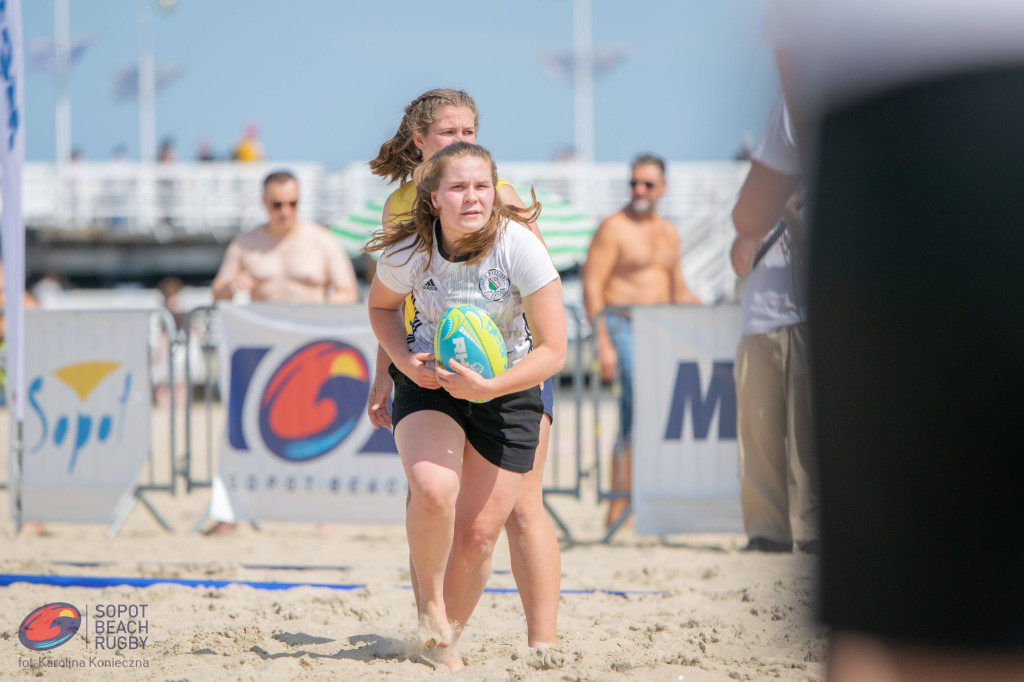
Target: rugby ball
470,336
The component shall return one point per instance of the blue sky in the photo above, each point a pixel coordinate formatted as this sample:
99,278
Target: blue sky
327,79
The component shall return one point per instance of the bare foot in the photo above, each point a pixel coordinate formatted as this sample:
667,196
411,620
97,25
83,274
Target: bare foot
33,528
434,633
220,528
324,531
453,660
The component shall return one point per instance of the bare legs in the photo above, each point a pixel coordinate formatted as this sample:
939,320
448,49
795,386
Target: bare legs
533,550
622,474
484,504
451,528
431,446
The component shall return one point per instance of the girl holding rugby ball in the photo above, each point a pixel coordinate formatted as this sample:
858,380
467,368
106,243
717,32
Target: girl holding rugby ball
464,461
431,122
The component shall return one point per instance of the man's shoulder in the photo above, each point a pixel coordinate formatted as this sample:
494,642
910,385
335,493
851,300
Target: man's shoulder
666,224
615,222
251,237
320,233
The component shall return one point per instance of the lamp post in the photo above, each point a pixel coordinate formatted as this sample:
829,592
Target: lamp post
61,72
583,81
147,111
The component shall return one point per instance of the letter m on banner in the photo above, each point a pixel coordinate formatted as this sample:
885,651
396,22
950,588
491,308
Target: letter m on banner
721,395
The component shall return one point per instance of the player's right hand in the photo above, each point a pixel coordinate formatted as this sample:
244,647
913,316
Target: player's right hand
421,373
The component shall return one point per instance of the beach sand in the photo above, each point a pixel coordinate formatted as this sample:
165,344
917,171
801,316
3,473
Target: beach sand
686,607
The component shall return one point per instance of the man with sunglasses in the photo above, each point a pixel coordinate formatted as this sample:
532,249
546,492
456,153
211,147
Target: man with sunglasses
634,259
285,259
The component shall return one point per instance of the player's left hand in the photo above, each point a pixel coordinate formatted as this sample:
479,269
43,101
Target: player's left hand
462,382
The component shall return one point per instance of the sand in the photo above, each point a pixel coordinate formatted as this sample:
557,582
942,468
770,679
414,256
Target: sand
690,607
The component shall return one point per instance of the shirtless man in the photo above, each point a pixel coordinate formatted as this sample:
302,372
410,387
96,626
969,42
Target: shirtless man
634,259
285,259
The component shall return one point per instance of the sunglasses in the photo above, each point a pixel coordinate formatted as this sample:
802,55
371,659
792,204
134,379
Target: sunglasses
646,183
278,205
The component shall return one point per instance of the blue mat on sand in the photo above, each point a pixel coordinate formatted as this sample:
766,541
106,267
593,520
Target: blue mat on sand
92,581
96,581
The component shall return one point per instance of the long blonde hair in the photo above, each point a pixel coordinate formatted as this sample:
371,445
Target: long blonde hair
399,156
420,220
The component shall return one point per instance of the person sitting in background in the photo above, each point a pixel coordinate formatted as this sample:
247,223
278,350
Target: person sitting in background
633,259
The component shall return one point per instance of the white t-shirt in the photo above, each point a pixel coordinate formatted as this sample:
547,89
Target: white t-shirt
774,296
516,266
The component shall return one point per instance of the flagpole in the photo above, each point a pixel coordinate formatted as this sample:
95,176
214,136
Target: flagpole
62,69
12,157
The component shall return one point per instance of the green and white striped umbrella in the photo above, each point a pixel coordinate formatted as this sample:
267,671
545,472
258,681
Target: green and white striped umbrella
355,230
567,230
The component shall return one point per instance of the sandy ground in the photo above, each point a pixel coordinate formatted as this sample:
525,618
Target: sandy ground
678,608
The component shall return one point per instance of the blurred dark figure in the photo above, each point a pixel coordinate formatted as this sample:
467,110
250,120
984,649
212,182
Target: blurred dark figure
915,109
204,152
166,153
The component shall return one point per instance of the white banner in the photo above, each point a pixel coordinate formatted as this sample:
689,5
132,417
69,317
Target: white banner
298,444
87,421
686,461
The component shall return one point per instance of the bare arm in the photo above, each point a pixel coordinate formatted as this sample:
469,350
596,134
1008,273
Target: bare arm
386,320
546,317
758,207
680,293
377,408
601,257
341,276
509,196
232,277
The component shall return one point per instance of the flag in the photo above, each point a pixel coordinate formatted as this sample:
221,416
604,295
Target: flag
12,156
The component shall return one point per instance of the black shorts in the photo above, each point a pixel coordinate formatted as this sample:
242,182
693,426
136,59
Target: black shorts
505,430
547,396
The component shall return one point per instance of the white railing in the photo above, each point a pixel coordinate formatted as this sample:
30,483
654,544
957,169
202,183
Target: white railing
178,200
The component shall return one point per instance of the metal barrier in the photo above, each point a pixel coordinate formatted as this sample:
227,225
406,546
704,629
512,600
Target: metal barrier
567,465
150,481
556,457
170,328
610,493
204,319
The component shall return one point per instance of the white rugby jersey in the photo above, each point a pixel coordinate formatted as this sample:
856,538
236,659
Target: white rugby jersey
516,266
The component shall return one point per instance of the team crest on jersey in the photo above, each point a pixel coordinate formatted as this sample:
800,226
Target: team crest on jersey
494,285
